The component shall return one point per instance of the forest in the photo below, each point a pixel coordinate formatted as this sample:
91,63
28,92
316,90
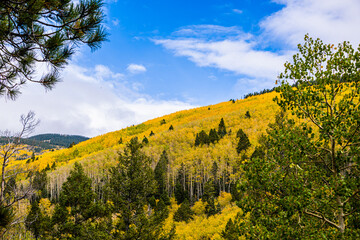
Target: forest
278,164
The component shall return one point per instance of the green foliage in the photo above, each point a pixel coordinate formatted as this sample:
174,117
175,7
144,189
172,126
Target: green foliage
201,138
6,216
184,212
35,221
181,192
145,140
162,122
131,182
171,128
39,182
247,114
213,136
59,139
306,185
230,232
221,129
44,31
243,143
152,133
77,213
160,173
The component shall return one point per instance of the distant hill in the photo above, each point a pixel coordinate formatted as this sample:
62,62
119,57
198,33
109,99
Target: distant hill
58,139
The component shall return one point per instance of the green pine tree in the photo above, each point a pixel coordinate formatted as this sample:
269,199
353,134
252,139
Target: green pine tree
44,31
221,129
243,143
131,183
184,212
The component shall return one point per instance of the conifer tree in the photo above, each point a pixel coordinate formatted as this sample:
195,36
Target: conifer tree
184,212
171,128
77,210
243,143
145,140
48,32
181,192
203,137
131,183
221,129
160,173
213,136
197,140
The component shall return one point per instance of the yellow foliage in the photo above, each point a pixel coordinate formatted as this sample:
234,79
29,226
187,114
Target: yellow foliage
224,199
199,207
46,207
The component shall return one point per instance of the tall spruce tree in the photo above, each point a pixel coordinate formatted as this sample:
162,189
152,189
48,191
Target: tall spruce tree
131,184
77,212
160,173
243,143
221,129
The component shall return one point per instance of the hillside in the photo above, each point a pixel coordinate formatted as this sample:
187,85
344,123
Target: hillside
58,139
179,142
195,164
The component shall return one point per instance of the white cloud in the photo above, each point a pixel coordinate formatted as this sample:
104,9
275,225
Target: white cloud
247,55
115,22
238,11
332,21
88,102
136,68
236,55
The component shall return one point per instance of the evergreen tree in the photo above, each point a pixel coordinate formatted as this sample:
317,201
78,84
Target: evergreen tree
35,221
243,143
131,183
184,212
210,208
213,136
44,32
152,133
203,138
171,128
39,184
247,114
230,232
197,140
222,129
145,140
78,197
160,173
181,192
162,122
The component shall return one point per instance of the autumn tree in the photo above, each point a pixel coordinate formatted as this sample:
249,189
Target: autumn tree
10,194
44,32
307,183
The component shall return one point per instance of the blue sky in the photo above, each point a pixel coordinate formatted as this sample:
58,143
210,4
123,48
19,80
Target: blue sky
165,56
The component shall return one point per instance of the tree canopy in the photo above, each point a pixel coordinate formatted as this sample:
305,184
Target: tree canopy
35,32
306,185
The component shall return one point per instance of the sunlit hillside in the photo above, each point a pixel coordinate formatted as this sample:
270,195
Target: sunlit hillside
99,152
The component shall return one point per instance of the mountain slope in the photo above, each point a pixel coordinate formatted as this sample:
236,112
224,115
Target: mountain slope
58,139
179,143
